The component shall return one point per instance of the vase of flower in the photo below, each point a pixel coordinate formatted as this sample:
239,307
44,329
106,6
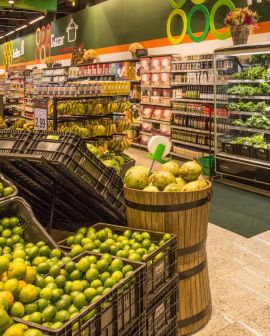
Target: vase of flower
241,22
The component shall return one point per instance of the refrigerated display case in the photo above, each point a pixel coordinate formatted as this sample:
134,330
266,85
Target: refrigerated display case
242,139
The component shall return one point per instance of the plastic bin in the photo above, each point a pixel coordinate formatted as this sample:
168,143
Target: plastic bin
13,141
208,164
158,272
116,312
7,183
33,231
162,309
245,150
262,153
229,148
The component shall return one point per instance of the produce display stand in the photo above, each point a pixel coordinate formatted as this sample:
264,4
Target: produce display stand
186,216
63,188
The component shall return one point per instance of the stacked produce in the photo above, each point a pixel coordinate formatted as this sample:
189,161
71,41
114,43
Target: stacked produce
263,89
40,286
19,124
90,107
249,107
169,178
134,245
255,121
5,191
112,158
257,141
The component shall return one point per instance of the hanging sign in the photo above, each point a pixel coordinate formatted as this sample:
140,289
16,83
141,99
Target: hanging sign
34,5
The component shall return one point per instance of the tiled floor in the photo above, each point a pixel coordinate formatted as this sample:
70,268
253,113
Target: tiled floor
240,280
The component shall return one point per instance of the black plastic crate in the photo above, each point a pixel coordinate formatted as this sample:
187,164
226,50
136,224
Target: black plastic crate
116,313
158,271
228,147
71,151
245,150
7,183
126,167
262,153
13,141
162,308
33,231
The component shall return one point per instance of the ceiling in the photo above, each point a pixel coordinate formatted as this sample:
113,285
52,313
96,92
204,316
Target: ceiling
23,22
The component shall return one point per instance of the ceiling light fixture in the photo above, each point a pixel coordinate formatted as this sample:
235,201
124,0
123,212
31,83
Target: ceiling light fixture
2,37
11,2
22,27
11,32
36,20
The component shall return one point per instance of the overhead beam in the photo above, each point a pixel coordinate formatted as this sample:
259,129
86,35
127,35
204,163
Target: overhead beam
13,18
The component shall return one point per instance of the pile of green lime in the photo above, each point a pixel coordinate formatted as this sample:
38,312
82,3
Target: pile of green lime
132,245
5,191
56,298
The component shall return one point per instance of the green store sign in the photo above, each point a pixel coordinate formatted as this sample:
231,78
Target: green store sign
112,25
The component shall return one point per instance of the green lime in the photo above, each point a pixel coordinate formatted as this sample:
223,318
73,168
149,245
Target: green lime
117,276
96,283
5,223
44,251
83,231
77,286
46,293
73,295
62,316
14,221
109,242
92,274
40,244
125,254
102,235
159,256
146,243
17,230
60,281
96,298
85,283
109,283
72,309
104,276
86,241
32,332
146,235
136,246
67,288
43,268
114,249
8,191
141,251
127,268
15,238
117,264
161,243
70,266
35,317
89,247
49,279
78,238
104,248
83,264
128,234
135,257
166,237
119,253
80,301
5,303
102,265
62,305
51,285
70,240
76,275
40,281
6,233
76,250
30,308
57,325
55,271
100,290
49,313
56,294
90,293
17,309
42,304
92,259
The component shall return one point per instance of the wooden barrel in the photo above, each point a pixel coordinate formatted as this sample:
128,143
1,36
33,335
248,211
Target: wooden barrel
185,215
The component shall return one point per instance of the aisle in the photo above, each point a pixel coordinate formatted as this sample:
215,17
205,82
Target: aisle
239,276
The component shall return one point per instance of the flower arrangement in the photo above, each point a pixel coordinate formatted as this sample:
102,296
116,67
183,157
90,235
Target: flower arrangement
241,17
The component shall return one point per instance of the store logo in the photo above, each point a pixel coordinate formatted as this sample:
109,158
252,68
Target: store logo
71,31
17,53
209,20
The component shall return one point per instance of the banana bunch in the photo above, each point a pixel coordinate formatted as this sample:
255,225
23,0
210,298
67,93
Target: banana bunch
122,125
2,123
118,146
124,105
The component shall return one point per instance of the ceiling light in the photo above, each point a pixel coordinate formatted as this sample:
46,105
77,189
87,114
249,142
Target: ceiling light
2,37
38,19
11,2
11,32
20,28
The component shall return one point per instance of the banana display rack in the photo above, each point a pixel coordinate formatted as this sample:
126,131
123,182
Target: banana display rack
65,184
91,117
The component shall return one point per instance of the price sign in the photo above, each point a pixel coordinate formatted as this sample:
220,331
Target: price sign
40,117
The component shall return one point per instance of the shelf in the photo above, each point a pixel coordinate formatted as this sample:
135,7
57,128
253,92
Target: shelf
156,121
152,104
246,113
244,159
249,97
197,84
191,144
247,129
192,114
205,101
190,129
153,134
198,70
136,144
181,156
156,87
85,117
192,61
155,72
247,81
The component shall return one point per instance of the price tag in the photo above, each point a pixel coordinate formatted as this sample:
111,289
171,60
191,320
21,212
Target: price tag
40,117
